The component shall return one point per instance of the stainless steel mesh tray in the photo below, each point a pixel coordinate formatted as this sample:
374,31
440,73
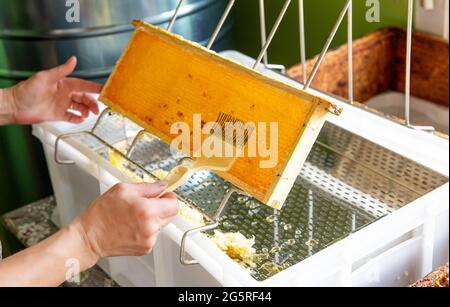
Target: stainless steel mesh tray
346,184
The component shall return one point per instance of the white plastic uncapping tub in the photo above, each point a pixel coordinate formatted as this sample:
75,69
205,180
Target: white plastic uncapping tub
393,251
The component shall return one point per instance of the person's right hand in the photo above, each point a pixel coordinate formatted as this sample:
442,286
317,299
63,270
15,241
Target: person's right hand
127,219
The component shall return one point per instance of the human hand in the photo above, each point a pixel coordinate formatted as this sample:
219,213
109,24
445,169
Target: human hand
50,96
127,219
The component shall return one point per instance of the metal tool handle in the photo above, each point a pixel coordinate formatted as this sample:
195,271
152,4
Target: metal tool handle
176,178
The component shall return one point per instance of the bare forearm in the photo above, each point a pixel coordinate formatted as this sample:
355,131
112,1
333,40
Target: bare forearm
48,263
6,107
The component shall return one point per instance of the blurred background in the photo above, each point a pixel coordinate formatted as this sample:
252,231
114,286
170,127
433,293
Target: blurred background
35,35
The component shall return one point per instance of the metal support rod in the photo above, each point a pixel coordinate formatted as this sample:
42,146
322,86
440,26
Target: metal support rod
408,64
408,72
262,25
220,24
301,17
279,67
272,33
350,51
175,15
262,20
224,202
213,225
183,255
327,45
430,129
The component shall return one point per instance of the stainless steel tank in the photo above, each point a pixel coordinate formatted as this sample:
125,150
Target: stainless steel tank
35,35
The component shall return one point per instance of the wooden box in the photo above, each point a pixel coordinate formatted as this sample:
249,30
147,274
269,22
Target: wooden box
379,65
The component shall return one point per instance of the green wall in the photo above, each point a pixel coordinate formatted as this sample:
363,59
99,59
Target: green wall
320,16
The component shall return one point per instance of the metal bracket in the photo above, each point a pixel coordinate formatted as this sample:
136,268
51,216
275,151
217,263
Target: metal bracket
220,24
58,160
72,134
214,223
408,73
262,20
327,44
272,33
138,136
347,10
301,20
175,15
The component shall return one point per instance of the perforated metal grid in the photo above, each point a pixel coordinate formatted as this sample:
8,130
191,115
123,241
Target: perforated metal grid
346,184
413,176
153,154
353,183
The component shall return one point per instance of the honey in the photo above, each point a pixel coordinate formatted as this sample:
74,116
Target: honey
271,268
271,218
312,243
287,227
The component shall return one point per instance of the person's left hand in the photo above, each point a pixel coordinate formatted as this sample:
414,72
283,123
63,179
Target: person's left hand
51,96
